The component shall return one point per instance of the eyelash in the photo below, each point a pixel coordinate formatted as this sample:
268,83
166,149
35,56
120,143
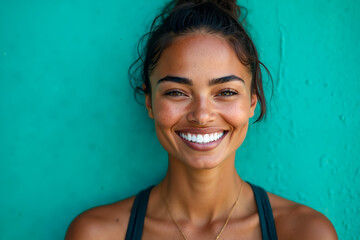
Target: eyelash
227,93
223,93
175,93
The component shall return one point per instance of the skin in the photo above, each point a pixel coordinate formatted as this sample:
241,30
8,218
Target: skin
201,185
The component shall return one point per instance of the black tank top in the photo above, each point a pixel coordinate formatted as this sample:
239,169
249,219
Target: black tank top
138,212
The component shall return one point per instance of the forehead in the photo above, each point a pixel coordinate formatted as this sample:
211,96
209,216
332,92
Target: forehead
200,55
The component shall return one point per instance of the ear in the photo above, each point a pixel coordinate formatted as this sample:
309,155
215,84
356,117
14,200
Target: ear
253,104
148,103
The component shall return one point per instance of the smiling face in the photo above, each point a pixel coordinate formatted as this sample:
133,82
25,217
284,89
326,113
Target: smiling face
200,100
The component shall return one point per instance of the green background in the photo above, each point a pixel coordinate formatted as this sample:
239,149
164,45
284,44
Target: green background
72,136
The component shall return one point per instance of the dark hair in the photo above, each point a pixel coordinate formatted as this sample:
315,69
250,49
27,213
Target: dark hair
181,17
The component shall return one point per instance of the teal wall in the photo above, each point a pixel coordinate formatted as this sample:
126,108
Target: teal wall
72,136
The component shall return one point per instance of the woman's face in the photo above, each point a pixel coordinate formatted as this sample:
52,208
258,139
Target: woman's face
201,100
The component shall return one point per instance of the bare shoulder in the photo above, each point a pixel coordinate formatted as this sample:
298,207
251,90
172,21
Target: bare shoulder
296,221
104,222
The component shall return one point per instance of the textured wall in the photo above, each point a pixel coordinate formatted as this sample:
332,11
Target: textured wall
72,137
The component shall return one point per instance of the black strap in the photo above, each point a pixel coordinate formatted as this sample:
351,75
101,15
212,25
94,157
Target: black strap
137,217
138,212
267,224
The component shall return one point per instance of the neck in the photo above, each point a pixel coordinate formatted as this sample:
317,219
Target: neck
200,196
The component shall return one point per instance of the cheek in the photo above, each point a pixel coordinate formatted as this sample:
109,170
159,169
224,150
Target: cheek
237,114
165,114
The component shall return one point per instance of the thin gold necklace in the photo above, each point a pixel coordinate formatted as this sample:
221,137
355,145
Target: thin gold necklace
223,227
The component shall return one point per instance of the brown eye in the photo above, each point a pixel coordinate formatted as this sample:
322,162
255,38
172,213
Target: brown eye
227,93
175,93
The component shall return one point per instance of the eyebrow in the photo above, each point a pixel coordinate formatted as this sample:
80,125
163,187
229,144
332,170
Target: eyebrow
225,79
189,82
174,79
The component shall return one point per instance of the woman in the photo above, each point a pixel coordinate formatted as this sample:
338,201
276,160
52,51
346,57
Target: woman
202,81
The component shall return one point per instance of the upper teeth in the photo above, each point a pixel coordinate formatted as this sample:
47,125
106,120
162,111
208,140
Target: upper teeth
202,138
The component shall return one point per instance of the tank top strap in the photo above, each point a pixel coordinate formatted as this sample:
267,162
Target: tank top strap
138,212
267,223
137,217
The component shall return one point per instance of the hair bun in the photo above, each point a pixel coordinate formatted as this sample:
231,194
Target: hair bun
229,6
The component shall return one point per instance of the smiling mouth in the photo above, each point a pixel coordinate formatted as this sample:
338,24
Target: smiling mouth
201,138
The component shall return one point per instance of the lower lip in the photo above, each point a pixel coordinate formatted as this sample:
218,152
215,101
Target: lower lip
203,146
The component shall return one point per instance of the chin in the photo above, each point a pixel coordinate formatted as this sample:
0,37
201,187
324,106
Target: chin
205,162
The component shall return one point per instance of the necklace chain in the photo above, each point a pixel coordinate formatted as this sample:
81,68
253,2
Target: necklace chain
222,228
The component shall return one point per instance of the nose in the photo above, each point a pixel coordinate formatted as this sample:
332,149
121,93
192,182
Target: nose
201,112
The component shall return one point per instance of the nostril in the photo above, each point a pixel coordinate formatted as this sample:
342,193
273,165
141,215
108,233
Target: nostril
201,115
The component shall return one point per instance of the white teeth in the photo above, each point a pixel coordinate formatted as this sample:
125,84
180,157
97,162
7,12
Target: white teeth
193,138
206,138
183,136
199,138
211,138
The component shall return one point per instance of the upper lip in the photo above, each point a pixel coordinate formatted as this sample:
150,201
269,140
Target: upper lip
201,130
